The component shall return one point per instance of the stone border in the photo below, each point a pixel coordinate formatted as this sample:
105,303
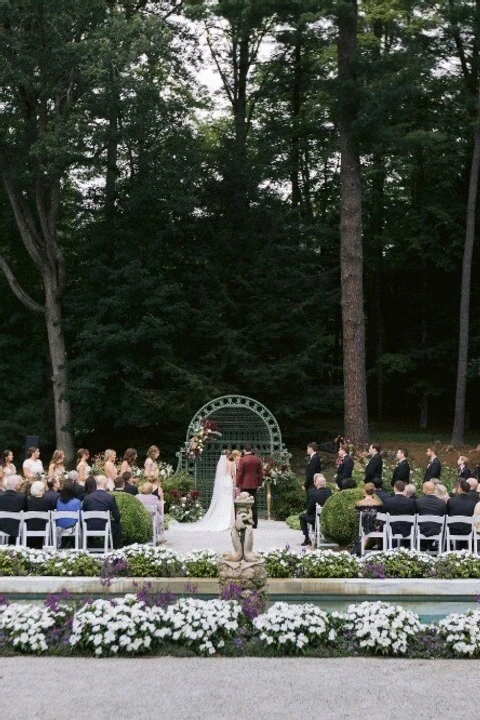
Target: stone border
349,587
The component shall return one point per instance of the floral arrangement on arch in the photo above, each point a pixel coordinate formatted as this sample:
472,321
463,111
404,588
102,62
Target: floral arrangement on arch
276,467
203,433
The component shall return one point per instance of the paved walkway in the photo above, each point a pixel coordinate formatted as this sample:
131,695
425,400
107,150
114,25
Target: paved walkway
269,534
222,688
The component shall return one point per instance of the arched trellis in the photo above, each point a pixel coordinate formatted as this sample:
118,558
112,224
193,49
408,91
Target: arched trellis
240,420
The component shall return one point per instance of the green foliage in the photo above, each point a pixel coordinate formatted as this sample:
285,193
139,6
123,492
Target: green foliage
400,564
340,517
328,564
457,565
73,565
135,519
293,522
288,496
181,482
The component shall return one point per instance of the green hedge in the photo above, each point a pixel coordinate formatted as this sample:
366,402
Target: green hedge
135,519
340,518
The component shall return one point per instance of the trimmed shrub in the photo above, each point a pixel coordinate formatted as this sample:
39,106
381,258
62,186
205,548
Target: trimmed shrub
135,519
288,496
340,517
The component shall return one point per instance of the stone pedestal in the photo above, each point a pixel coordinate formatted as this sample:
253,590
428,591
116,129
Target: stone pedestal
249,575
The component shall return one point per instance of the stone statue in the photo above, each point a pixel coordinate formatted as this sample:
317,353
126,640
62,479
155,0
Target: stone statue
242,530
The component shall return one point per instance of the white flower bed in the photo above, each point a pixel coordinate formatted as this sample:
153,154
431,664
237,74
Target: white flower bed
27,626
110,627
292,627
380,627
461,633
204,625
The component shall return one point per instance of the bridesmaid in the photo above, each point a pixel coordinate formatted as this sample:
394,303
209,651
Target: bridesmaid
110,468
150,467
57,466
32,466
128,461
83,468
8,466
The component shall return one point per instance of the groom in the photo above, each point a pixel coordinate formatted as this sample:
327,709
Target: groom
250,477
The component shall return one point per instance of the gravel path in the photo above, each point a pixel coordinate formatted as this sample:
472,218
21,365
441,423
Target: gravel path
218,688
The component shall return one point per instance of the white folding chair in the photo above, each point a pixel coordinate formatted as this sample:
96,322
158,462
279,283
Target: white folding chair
152,511
395,539
105,533
5,515
59,532
318,537
438,520
375,534
451,538
28,533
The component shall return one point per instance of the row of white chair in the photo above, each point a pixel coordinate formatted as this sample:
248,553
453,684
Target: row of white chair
52,533
445,538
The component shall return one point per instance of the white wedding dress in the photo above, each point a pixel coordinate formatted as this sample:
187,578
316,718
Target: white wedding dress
220,515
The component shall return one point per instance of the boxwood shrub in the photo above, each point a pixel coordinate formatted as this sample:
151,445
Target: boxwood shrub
340,517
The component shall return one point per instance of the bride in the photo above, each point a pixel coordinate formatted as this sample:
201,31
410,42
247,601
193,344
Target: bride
220,515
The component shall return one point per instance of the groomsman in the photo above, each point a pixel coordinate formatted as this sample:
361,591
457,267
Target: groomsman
402,469
434,467
314,465
374,467
344,469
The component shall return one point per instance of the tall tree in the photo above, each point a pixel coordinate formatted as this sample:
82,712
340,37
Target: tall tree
351,242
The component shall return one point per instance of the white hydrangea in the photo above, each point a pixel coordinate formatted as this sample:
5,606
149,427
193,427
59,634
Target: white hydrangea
26,626
204,625
293,627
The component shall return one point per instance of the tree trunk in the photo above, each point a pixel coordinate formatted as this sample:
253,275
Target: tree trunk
461,389
296,108
351,247
58,357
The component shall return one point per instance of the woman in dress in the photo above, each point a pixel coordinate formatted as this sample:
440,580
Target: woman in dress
8,466
150,467
83,468
148,499
32,466
57,467
129,457
110,469
220,514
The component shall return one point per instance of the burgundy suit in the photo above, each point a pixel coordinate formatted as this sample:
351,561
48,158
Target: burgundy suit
249,477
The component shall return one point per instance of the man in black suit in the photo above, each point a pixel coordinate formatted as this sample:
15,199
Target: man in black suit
314,465
473,492
52,493
130,488
344,470
399,504
379,491
434,467
402,469
12,501
461,503
374,467
317,494
101,500
430,504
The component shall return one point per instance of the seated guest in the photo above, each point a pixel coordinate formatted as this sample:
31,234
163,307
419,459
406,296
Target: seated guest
11,501
119,484
463,470
130,486
379,491
368,506
148,499
344,470
473,483
402,468
70,503
78,487
411,491
462,503
36,502
374,467
319,493
434,467
100,500
441,492
399,504
430,504
52,492
90,485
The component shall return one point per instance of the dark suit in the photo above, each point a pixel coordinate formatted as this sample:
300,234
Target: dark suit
399,505
52,497
374,468
11,501
461,504
314,496
249,478
99,501
344,471
430,505
433,470
464,473
382,494
314,466
131,489
401,472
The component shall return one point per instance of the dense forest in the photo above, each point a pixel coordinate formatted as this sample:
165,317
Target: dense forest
171,212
